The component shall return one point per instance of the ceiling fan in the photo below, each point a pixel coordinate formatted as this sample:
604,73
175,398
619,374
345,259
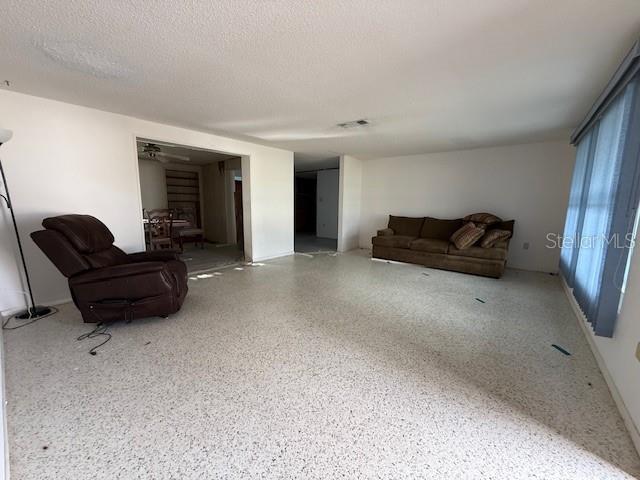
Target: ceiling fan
154,152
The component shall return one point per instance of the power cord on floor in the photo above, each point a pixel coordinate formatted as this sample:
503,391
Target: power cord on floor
33,320
100,330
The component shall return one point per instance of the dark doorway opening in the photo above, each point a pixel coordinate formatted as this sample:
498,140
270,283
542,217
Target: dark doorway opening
305,204
316,210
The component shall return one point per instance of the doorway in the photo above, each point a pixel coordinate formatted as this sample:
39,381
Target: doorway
316,185
192,202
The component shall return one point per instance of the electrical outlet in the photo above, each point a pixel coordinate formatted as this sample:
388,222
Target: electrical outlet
638,351
525,246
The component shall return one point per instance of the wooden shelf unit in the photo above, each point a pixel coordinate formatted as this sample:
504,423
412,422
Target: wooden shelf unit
183,190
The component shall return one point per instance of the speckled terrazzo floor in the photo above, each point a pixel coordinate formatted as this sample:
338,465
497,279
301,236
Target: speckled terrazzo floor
307,243
318,368
211,256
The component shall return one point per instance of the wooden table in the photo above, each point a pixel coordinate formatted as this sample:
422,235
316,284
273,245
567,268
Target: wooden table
176,224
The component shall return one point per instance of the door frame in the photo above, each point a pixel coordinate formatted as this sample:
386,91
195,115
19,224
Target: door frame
246,191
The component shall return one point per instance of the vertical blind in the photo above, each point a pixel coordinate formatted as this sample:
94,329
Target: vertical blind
602,207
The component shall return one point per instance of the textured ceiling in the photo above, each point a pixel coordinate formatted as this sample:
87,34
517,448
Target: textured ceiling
430,75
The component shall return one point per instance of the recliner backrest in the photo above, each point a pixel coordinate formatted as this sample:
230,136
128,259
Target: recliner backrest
86,233
61,253
75,243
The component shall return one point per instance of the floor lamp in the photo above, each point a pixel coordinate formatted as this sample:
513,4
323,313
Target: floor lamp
33,311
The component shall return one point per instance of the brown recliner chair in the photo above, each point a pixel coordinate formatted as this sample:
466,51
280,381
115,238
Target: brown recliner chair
106,283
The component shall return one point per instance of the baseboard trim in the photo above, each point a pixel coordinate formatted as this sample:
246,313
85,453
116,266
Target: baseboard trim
272,257
394,262
617,398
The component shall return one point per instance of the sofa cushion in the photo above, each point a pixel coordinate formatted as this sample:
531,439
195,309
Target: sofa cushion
466,235
501,244
409,226
505,225
431,245
440,229
394,241
493,236
479,252
485,218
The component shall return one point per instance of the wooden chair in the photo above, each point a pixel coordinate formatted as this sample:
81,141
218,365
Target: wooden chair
192,233
160,228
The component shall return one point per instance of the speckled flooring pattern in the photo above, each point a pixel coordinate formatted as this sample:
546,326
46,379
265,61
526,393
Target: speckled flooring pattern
307,243
211,256
321,367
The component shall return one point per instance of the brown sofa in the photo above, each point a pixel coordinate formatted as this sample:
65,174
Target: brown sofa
425,241
107,284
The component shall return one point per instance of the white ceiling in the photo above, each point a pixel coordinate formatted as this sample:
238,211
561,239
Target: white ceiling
430,75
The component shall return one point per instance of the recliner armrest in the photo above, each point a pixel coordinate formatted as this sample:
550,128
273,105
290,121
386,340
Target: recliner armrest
118,271
385,232
154,256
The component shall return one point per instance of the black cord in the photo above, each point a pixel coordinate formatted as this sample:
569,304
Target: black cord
100,330
34,320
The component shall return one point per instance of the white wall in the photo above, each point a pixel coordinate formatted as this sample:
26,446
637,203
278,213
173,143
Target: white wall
618,352
70,159
327,203
528,183
270,187
153,185
349,203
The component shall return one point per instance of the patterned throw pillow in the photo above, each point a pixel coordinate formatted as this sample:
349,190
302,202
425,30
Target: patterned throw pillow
482,218
466,236
494,236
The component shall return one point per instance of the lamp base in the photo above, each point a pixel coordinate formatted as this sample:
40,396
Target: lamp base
33,312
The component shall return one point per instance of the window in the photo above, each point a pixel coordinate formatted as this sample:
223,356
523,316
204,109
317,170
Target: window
601,214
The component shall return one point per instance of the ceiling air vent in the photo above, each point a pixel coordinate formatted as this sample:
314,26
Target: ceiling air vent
354,124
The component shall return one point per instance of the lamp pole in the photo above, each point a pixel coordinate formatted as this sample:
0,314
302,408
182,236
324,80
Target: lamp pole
33,311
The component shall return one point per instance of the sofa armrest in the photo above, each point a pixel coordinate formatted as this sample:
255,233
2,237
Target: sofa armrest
385,232
118,271
154,256
502,244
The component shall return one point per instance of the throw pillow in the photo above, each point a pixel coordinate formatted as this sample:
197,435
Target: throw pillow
466,236
494,236
484,218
